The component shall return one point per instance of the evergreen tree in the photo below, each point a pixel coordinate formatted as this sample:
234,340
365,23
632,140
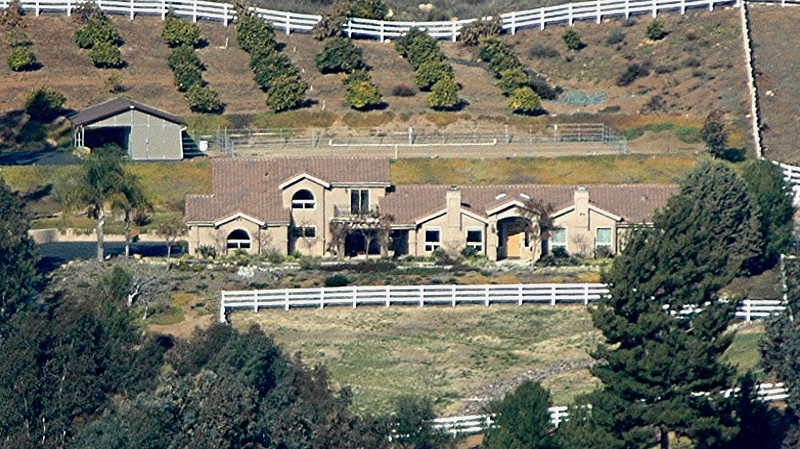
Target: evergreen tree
522,420
773,195
18,256
780,346
663,322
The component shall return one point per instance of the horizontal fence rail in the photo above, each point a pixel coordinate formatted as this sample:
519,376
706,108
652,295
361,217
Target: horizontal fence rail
452,295
419,295
472,424
290,22
792,176
403,142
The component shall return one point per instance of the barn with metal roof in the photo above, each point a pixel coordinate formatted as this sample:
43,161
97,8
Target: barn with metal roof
145,132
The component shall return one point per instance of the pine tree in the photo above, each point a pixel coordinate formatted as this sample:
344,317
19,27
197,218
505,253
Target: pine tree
522,420
18,256
657,357
773,195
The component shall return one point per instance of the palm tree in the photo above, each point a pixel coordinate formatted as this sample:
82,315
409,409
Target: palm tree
99,180
129,198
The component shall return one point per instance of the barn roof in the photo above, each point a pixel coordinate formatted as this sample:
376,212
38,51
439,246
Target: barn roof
116,106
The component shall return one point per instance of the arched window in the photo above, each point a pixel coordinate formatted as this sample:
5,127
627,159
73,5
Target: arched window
238,239
303,199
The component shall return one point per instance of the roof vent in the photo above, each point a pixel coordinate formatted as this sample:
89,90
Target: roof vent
501,196
524,196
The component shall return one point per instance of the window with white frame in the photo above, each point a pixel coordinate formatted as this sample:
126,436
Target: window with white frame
602,237
238,239
475,239
558,238
303,199
433,239
359,201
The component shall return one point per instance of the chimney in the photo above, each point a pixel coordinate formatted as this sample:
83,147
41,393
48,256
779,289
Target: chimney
453,199
582,207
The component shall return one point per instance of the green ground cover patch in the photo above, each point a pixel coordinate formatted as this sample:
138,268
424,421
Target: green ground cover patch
684,133
744,353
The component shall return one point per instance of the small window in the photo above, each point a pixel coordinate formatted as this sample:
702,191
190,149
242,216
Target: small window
305,231
432,240
558,237
238,239
603,237
359,201
303,199
475,239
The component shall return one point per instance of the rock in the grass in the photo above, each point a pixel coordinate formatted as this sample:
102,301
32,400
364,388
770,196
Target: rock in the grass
426,7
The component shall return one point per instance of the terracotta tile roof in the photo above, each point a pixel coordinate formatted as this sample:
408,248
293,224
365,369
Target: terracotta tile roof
250,185
635,203
115,106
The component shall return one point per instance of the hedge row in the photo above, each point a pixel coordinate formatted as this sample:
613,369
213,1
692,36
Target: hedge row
524,88
187,69
272,70
432,72
340,55
99,35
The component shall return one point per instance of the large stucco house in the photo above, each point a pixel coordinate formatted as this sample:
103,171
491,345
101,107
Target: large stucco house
322,205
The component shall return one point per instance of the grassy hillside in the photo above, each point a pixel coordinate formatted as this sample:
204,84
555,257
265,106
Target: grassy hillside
692,70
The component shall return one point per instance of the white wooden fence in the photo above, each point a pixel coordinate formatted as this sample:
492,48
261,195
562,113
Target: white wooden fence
792,175
471,424
289,22
419,295
452,295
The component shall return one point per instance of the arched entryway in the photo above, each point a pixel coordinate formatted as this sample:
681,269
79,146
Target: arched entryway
513,238
238,239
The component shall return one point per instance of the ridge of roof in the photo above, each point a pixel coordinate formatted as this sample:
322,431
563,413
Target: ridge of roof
116,105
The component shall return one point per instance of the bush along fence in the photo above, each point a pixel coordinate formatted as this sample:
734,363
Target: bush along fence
289,22
472,424
452,295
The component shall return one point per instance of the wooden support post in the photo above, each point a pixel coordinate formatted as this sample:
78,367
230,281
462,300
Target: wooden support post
131,10
553,295
383,35
226,8
321,298
194,12
421,296
388,295
519,295
655,9
163,9
486,295
222,308
541,19
454,32
286,300
569,14
288,23
355,297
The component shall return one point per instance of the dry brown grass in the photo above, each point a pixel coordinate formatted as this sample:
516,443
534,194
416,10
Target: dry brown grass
722,83
775,41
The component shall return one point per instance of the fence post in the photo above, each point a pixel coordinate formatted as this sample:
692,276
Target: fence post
747,310
288,23
599,13
454,31
163,9
37,7
131,6
586,295
683,7
655,8
421,296
255,302
410,135
453,294
286,300
355,296
222,308
541,12
553,295
711,5
486,295
349,28
69,8
519,294
225,8
513,23
569,14
194,11
383,37
388,295
321,298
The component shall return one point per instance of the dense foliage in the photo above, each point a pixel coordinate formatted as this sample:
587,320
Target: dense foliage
22,59
474,33
340,55
525,89
178,32
432,71
18,256
715,133
522,420
664,323
44,104
187,69
100,36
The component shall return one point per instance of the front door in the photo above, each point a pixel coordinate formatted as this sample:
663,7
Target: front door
514,245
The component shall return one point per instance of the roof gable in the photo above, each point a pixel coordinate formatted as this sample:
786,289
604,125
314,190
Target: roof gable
115,106
302,176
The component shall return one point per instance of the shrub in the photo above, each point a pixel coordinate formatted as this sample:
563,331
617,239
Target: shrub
178,32
714,133
444,95
337,280
655,30
340,55
203,99
469,252
662,69
539,51
11,18
332,21
186,76
363,95
115,86
418,48
525,101
511,80
603,252
286,92
84,11
559,252
431,73
631,74
253,34
490,48
691,61
477,31
22,59
97,29
359,76
18,38
270,68
572,39
184,56
105,55
207,251
615,37
503,62
402,90
542,89
44,104
367,9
